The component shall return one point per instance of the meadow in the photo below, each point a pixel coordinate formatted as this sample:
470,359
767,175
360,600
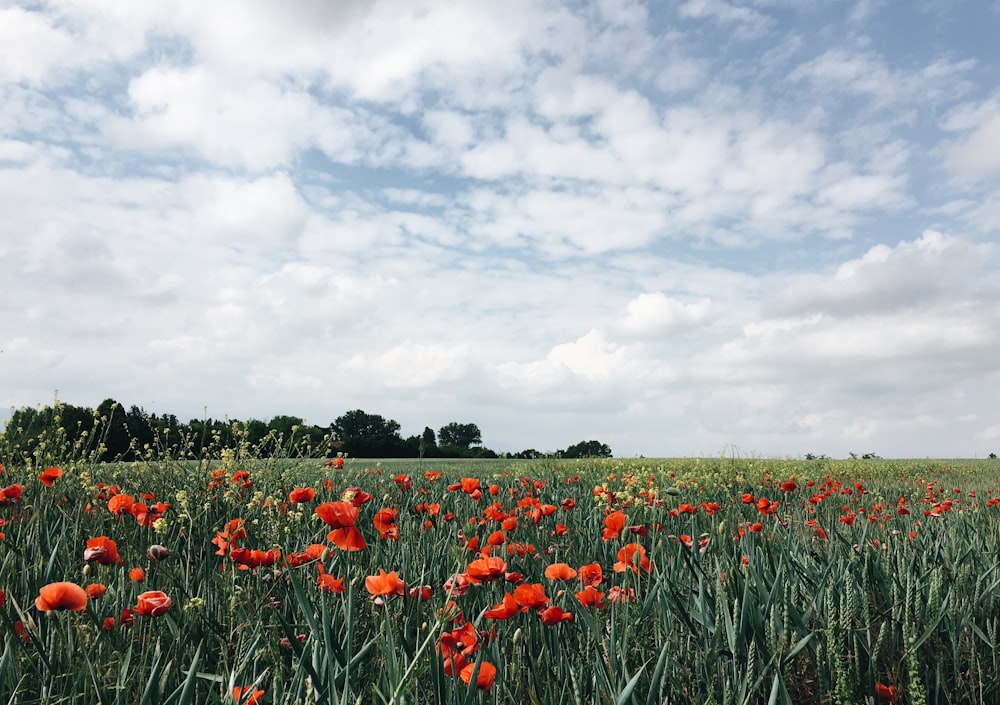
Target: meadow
238,579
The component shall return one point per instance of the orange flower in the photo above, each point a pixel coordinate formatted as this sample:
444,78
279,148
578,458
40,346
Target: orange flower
432,475
50,475
137,575
484,679
153,603
61,596
95,590
102,550
560,571
300,495
384,584
10,494
243,696
486,569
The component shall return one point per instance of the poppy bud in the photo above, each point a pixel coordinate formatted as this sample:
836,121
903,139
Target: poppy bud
157,552
86,569
672,491
517,636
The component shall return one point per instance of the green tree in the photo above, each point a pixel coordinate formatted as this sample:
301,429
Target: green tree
367,435
588,449
460,435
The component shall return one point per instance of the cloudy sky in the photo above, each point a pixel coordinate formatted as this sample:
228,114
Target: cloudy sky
680,228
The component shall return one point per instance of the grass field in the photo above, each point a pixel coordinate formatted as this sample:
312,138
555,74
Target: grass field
723,580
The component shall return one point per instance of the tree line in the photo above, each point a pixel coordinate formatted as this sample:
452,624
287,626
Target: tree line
112,432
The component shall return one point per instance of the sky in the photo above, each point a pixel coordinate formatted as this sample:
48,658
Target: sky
683,228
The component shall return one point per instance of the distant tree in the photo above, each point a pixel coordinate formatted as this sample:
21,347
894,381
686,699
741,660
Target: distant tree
113,431
993,456
367,435
588,449
427,446
460,435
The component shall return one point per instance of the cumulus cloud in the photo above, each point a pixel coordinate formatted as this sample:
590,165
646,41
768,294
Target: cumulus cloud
743,222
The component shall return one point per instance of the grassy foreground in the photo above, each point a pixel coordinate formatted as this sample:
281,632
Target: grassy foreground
606,581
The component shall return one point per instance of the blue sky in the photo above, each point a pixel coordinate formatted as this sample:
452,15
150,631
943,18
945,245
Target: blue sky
679,228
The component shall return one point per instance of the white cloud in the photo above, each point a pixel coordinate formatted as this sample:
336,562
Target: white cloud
650,315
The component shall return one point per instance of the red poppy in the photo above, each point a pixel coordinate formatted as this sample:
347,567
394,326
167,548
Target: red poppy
153,603
347,539
591,574
554,614
530,595
385,523
384,584
95,590
590,597
560,571
339,515
50,475
886,691
61,596
102,550
614,524
137,575
301,495
10,494
243,696
484,679
505,610
432,475
327,582
120,503
486,570
626,559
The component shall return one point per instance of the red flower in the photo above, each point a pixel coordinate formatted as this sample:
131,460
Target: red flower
301,495
153,603
243,696
505,610
384,584
554,615
484,679
614,524
61,596
591,574
10,494
886,691
626,559
102,550
348,539
560,571
385,523
327,582
590,597
339,515
95,590
137,575
486,570
530,596
50,475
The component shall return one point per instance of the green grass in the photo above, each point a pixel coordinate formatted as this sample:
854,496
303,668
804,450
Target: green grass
775,615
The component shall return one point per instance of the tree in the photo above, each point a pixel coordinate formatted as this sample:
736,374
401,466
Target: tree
460,435
588,449
367,435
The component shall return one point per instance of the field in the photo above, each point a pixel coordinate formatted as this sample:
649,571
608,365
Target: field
726,580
